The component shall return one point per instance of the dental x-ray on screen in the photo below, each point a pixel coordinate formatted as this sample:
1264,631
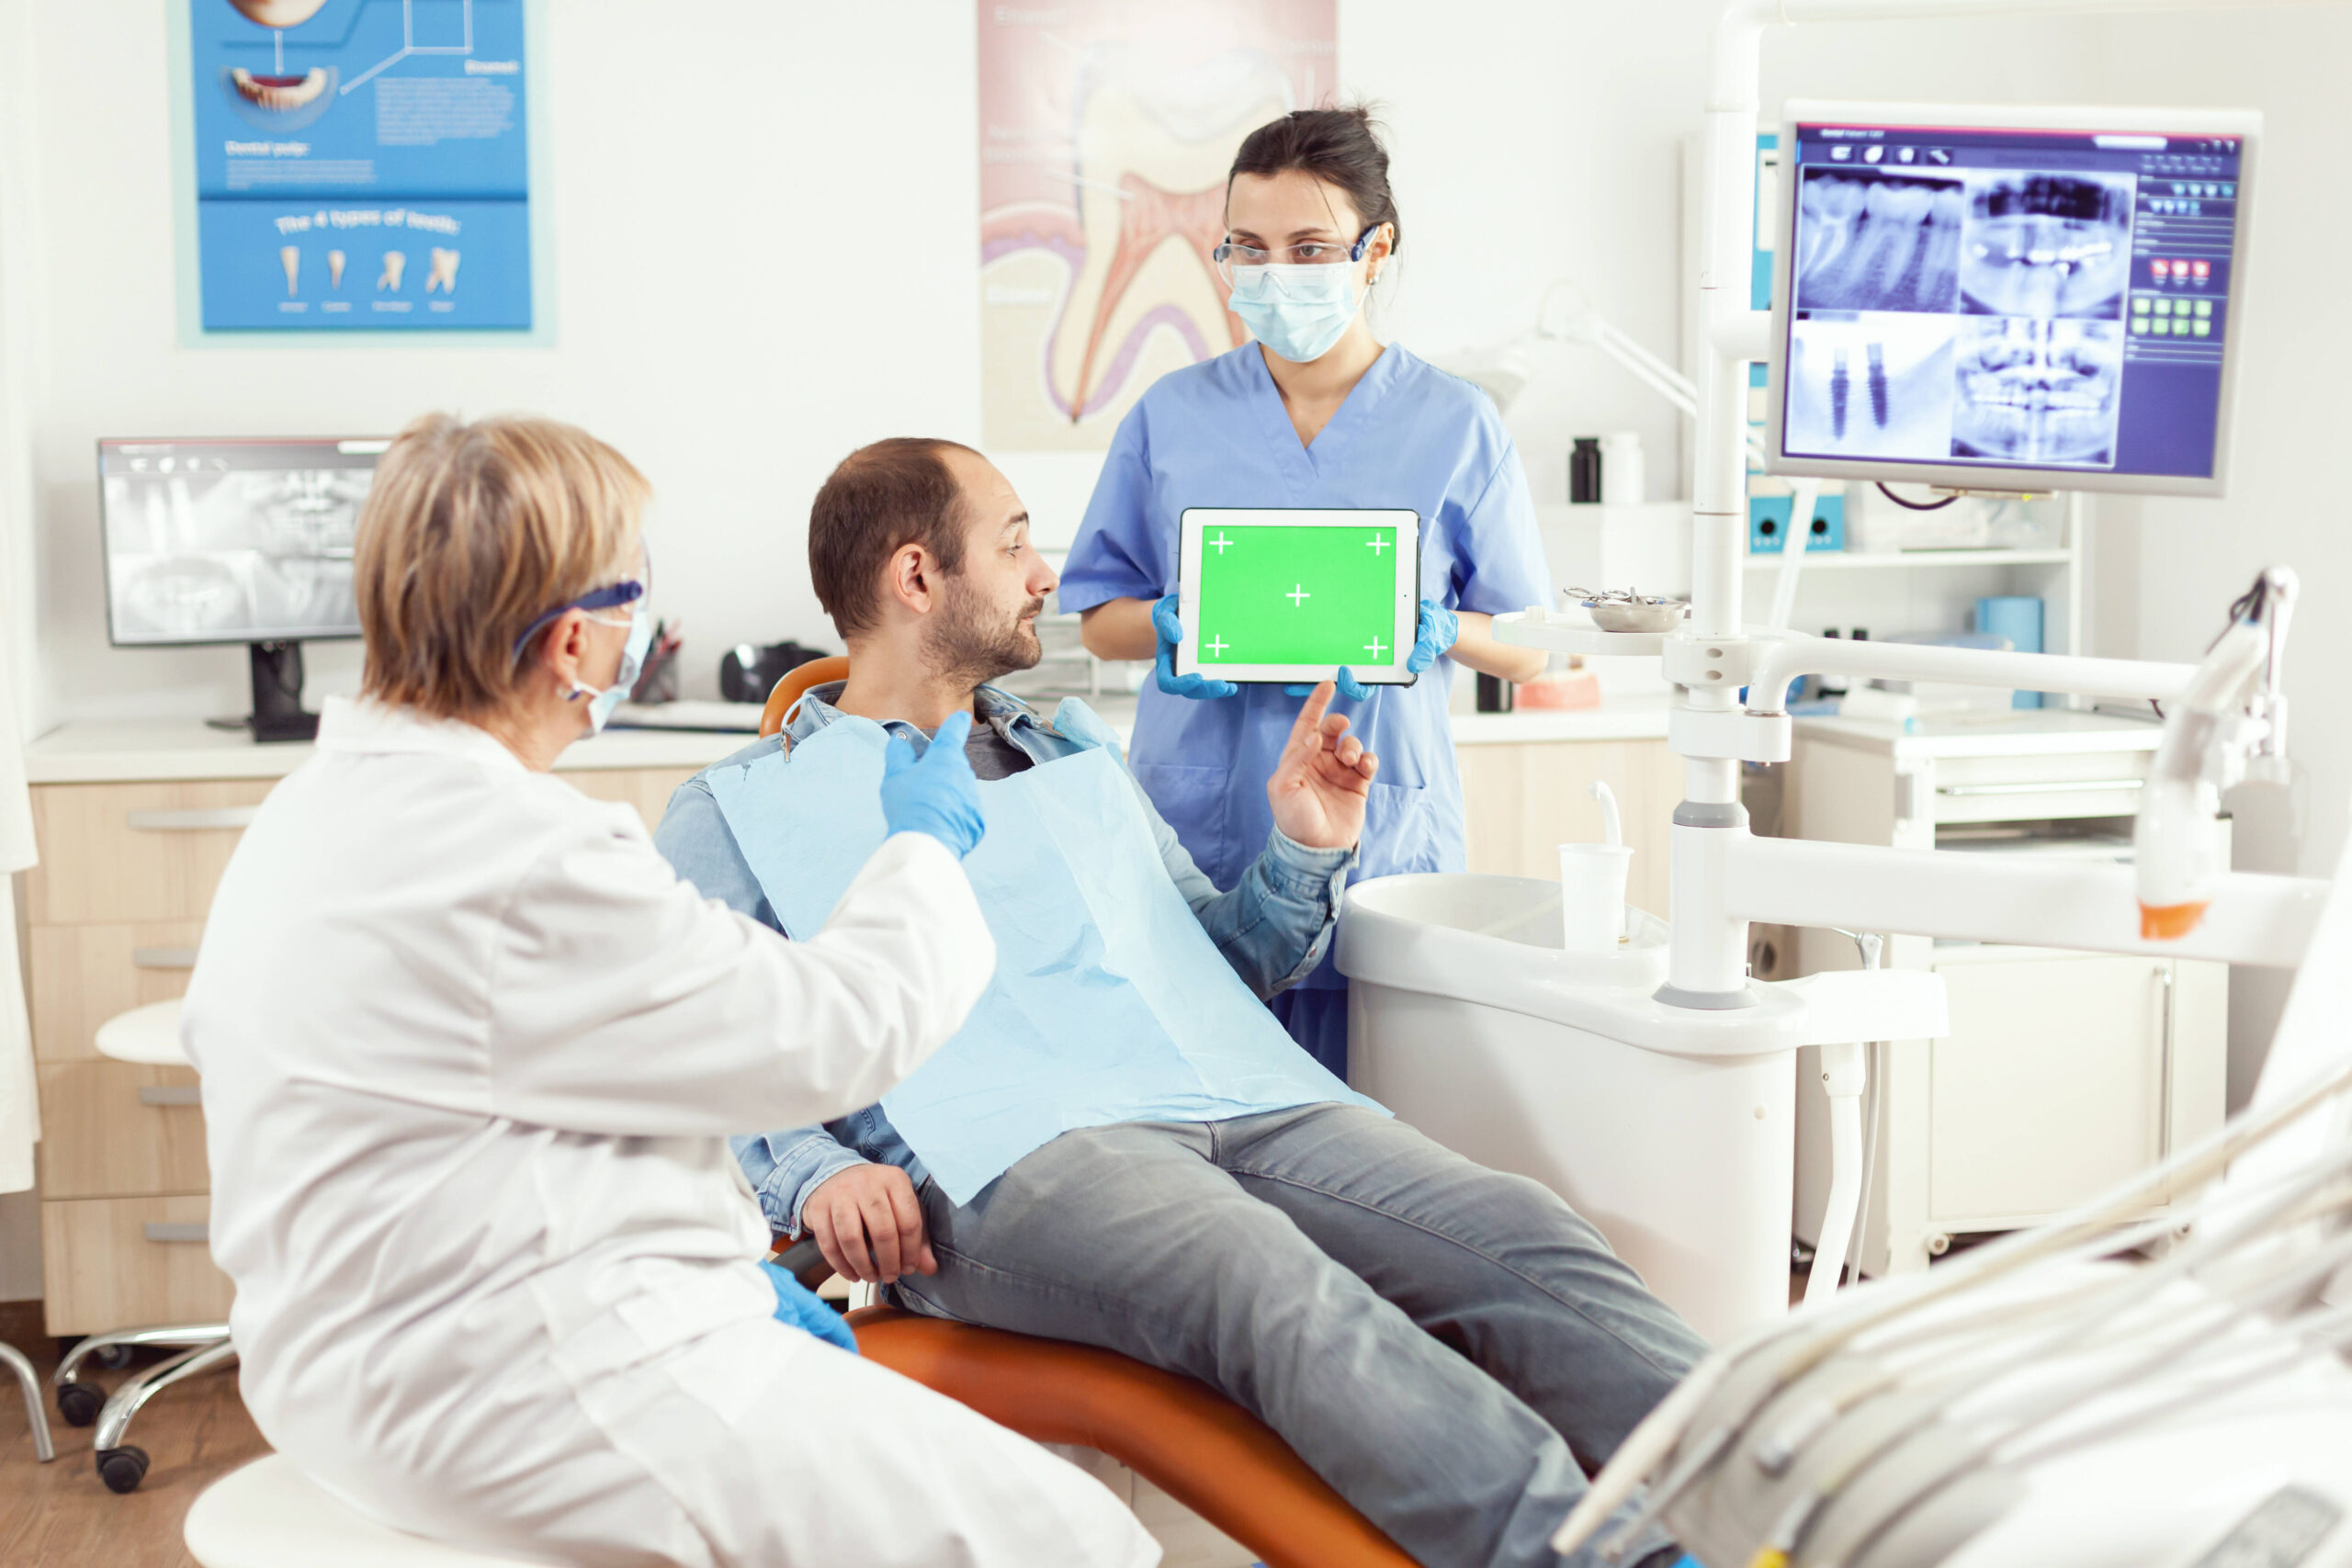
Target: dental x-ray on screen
2003,298
232,541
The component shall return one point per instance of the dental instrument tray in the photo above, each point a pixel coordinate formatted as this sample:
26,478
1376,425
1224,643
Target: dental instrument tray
1629,610
1289,595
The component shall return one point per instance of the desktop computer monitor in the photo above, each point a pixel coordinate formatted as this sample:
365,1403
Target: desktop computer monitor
2010,299
229,541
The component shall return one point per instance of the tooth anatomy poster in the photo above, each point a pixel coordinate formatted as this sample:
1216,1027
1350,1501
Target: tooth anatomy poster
360,164
1106,129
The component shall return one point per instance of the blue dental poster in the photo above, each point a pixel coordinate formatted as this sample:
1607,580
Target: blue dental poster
361,165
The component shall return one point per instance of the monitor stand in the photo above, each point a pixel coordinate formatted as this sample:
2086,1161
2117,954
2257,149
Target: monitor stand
277,693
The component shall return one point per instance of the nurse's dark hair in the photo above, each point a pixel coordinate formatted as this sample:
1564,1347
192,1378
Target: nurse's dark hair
469,533
881,499
1341,147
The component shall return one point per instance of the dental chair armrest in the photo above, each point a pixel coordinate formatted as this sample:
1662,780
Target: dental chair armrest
801,1259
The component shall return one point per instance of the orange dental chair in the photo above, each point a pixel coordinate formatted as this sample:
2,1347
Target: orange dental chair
1194,1444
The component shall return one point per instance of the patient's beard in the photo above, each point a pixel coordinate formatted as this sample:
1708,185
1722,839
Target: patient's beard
971,641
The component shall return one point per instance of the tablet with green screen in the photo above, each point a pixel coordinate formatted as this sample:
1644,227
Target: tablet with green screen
1289,595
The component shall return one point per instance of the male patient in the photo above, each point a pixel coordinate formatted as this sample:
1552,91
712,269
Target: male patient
1121,1148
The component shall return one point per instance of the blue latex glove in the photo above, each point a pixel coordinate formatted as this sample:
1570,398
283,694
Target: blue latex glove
1349,687
797,1305
936,794
1199,687
1439,630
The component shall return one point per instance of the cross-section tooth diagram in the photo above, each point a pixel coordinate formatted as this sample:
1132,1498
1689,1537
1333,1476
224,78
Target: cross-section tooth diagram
1105,136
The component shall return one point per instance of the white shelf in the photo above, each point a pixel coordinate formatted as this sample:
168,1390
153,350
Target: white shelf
1581,638
1854,560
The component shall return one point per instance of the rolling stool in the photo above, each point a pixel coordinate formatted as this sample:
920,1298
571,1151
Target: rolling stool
269,1516
35,1414
149,1037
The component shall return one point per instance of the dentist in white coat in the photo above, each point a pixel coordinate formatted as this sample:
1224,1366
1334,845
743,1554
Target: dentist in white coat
471,1051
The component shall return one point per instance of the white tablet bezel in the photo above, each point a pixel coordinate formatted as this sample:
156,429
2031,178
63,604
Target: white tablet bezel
1193,525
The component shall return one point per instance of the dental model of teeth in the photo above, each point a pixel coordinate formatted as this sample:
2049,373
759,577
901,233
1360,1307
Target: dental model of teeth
291,258
395,264
334,269
444,273
278,94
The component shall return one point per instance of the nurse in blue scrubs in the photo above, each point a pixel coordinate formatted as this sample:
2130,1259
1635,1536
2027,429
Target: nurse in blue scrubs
1316,412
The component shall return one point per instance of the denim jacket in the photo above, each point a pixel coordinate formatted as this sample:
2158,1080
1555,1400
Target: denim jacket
1273,927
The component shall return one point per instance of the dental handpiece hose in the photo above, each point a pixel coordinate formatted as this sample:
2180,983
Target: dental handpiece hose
1845,1076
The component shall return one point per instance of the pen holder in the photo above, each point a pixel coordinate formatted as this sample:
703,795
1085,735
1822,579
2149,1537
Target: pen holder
1592,897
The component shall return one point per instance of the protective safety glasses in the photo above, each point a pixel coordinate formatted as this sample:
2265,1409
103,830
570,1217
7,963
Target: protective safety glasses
627,590
1231,258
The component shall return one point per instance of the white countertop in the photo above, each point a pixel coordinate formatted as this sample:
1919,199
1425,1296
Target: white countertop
126,750
2016,732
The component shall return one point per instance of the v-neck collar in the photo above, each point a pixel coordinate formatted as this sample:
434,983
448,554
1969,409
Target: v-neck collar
1304,465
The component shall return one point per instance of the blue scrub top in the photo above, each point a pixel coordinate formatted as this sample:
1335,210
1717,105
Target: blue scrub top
1215,434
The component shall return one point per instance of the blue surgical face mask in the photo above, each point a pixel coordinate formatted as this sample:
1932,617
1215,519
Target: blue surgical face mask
1297,311
601,704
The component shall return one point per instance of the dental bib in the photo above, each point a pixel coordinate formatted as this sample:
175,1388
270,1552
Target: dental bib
1110,1003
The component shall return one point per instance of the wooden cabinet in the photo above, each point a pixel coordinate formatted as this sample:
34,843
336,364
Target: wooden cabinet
127,1262
115,914
1522,800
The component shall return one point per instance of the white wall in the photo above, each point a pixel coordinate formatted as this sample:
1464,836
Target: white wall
751,279
764,256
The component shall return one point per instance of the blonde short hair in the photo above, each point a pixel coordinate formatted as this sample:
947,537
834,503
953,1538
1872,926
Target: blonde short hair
470,534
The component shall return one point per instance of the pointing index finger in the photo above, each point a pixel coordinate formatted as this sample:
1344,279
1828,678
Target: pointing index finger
1310,714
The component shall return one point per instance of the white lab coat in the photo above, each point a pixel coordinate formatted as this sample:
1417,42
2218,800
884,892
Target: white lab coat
470,1049
19,1108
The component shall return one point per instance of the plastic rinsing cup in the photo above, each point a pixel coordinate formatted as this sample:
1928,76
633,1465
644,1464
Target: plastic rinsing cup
1592,895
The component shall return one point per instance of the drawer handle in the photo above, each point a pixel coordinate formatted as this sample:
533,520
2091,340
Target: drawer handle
178,1230
170,1094
162,958
2055,786
211,821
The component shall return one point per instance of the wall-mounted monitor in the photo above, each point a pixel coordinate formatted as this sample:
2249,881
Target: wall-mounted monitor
2010,299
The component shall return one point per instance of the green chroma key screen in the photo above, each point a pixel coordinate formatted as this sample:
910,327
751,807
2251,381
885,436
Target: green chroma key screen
1281,595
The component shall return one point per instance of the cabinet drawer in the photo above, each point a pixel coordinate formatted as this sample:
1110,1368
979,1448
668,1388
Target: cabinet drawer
83,975
117,1130
110,1263
135,852
648,789
2019,789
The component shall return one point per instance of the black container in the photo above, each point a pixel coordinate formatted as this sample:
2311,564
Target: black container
1495,694
747,674
1584,471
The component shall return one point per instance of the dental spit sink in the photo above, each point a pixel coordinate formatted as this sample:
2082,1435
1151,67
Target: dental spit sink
1671,1130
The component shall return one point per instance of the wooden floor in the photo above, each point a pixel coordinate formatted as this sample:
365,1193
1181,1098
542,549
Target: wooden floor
61,1515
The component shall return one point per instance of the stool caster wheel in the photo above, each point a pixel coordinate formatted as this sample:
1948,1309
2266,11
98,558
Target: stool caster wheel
80,1402
123,1469
112,1358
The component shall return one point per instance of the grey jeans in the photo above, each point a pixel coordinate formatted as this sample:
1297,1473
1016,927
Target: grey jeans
1444,1344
